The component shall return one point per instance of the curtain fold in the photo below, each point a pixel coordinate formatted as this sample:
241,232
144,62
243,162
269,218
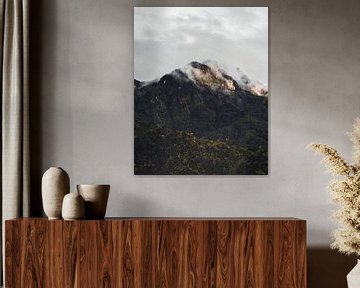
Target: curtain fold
15,162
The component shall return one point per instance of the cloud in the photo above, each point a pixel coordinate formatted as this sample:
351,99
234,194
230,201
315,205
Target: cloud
166,38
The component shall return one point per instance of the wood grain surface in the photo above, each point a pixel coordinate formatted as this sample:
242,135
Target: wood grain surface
159,252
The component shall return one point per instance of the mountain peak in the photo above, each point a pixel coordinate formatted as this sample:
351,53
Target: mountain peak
210,74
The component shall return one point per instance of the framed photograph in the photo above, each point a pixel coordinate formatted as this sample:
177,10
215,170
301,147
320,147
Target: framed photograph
201,90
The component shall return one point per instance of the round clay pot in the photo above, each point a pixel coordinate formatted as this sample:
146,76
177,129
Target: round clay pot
73,207
96,198
55,185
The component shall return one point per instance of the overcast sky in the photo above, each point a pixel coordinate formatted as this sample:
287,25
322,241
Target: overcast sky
167,38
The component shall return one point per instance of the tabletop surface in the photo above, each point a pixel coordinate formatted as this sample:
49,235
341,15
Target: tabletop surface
173,219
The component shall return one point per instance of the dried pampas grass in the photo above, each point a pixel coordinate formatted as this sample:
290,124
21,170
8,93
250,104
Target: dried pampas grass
345,191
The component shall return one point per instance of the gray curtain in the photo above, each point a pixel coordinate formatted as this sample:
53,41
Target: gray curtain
14,27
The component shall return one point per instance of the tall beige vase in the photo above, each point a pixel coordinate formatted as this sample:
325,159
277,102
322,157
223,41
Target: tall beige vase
55,185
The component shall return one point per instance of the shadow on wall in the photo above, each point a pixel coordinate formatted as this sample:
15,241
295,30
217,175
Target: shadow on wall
328,268
35,51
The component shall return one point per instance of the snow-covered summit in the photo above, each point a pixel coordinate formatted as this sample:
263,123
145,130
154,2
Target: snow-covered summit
210,73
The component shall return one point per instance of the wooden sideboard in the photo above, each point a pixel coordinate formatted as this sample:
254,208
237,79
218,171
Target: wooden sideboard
156,252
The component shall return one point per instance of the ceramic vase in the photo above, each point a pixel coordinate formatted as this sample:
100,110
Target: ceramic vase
73,207
96,198
353,278
55,185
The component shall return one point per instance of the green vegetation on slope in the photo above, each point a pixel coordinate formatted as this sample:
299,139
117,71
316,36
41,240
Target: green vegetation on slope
164,151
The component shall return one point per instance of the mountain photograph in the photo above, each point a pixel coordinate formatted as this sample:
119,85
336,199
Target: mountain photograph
204,117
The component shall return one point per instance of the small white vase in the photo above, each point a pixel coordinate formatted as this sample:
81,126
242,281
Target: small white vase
55,185
353,278
73,207
96,198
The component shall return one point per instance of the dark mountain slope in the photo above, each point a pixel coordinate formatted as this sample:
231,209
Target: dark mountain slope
205,103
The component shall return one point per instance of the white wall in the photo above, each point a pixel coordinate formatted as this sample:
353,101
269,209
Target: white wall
85,74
